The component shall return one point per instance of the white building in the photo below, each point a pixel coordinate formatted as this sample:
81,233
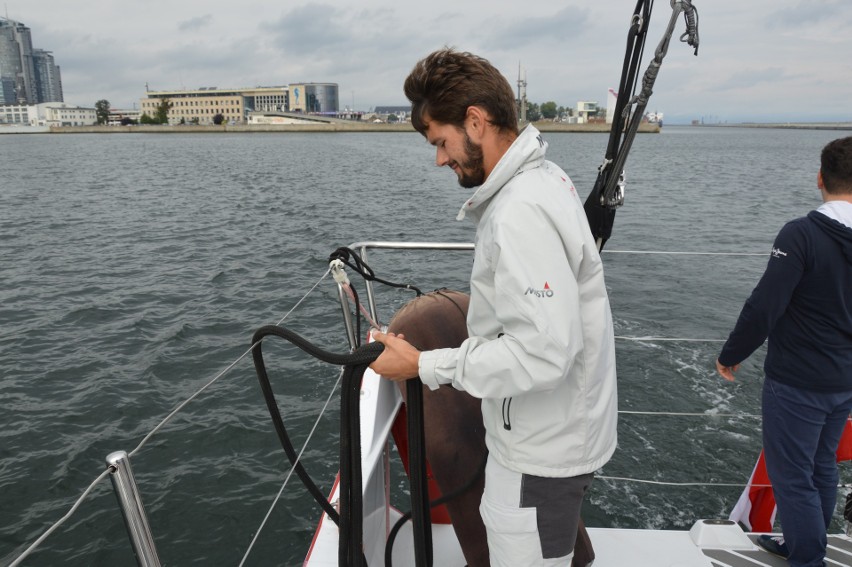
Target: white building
18,114
117,115
585,110
61,114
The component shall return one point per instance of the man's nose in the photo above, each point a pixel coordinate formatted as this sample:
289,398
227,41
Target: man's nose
441,157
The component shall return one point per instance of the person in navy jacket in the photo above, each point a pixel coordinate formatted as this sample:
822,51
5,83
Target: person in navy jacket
803,305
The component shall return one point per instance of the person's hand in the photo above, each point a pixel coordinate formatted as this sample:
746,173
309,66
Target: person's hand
727,372
399,361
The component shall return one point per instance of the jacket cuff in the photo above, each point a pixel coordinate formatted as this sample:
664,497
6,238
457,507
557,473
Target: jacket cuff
426,368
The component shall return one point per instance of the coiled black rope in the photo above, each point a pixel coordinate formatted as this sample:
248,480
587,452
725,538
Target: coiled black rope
350,518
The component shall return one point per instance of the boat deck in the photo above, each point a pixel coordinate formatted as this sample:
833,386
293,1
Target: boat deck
669,548
710,543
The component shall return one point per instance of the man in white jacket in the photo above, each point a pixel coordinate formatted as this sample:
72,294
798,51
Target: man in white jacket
541,353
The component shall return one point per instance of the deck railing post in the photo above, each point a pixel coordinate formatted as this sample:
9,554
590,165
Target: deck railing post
131,506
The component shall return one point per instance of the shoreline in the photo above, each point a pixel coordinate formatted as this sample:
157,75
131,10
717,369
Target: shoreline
781,125
337,126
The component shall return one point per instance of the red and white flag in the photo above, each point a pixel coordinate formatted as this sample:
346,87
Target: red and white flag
756,507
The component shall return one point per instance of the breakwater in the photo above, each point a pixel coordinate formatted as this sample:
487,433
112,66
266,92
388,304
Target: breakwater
785,125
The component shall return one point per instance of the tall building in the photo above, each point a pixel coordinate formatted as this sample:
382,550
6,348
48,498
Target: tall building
314,98
27,75
48,81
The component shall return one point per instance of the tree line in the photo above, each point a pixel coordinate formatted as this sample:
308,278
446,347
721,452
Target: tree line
547,111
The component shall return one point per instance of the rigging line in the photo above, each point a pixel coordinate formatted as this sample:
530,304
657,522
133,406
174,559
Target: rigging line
717,484
668,339
349,293
687,414
292,469
676,253
664,483
61,521
222,373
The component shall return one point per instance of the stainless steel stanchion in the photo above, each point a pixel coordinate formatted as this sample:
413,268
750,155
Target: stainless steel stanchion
131,506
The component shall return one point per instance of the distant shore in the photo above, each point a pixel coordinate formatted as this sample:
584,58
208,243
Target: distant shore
337,126
783,125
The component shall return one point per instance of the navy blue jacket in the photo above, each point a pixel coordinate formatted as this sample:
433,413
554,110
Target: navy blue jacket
803,304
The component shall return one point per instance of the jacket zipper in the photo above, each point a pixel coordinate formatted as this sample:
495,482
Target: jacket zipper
507,422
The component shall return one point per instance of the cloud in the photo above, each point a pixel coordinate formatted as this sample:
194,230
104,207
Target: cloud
752,77
312,29
195,23
321,42
566,24
804,13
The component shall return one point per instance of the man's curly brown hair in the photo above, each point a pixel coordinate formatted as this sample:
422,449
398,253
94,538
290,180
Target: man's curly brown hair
445,83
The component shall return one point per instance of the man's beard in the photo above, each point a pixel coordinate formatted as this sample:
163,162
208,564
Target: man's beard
472,170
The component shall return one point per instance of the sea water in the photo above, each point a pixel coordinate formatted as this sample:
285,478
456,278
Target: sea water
135,268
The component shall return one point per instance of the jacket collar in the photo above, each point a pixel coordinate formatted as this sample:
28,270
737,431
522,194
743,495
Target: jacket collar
526,152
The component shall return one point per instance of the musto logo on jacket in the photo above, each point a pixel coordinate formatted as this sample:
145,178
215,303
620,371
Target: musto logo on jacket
545,292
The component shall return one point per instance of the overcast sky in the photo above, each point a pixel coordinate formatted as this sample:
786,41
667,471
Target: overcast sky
759,60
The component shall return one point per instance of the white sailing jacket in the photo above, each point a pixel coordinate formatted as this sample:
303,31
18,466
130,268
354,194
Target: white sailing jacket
541,353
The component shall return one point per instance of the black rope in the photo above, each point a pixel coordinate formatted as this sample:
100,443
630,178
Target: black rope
441,291
480,470
420,517
350,518
354,261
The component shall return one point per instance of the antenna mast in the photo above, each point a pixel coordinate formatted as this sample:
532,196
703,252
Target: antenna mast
522,95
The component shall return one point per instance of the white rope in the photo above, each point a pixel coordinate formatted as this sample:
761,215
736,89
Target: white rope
292,468
218,376
686,414
174,412
61,521
684,253
713,484
662,483
668,339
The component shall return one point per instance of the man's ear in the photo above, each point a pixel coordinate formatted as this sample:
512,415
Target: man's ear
476,122
820,184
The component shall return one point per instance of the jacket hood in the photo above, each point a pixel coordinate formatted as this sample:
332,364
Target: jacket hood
526,152
839,232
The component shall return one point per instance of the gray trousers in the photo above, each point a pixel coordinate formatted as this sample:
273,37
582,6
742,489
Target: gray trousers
531,521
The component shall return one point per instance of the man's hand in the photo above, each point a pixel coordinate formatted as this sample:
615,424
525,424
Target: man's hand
727,372
399,361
